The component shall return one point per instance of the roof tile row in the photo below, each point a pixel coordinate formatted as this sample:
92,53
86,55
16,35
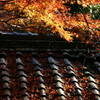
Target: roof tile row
35,76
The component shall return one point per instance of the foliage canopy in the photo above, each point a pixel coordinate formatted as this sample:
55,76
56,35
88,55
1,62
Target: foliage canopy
67,18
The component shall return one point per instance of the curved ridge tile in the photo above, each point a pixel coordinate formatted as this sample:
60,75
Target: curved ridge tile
52,61
2,61
68,63
35,62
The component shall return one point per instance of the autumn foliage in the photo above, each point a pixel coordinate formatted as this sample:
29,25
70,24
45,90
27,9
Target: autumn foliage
46,16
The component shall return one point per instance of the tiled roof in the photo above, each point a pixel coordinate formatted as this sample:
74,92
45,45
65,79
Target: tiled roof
31,42
48,68
49,75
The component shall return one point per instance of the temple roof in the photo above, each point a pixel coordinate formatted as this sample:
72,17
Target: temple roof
40,68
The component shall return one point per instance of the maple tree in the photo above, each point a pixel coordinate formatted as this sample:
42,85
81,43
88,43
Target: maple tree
62,17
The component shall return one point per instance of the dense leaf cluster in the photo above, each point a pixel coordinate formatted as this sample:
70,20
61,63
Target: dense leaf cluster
67,18
95,11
